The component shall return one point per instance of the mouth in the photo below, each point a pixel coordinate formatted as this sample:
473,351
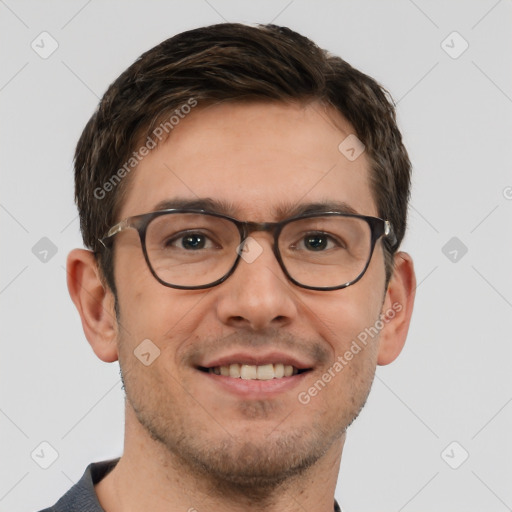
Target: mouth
244,371
257,375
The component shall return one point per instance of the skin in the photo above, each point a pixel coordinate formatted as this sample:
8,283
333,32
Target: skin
189,442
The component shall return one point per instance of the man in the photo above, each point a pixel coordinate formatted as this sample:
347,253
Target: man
243,195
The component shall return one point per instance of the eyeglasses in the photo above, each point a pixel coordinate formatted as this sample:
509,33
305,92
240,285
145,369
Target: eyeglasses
195,249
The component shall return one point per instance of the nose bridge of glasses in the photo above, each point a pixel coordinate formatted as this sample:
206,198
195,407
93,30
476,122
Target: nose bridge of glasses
269,227
250,227
253,246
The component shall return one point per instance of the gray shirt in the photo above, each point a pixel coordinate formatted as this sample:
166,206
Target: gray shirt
82,497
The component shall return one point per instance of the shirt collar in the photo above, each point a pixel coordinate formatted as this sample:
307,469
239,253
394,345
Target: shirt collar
83,495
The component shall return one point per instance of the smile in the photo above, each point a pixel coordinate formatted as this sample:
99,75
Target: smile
254,372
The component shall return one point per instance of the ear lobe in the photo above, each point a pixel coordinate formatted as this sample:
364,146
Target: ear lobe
94,302
397,309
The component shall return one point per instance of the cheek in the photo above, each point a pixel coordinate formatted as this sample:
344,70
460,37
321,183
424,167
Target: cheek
143,302
169,318
346,317
347,321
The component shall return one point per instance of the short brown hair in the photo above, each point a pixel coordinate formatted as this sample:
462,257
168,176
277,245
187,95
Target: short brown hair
231,61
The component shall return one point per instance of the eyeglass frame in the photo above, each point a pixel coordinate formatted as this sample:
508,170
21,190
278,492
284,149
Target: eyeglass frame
378,228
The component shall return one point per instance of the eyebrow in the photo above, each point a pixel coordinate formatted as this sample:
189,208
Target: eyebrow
281,211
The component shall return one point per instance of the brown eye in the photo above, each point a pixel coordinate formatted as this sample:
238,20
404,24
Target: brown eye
316,242
193,241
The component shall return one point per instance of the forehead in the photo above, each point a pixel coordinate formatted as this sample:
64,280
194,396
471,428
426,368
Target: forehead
257,159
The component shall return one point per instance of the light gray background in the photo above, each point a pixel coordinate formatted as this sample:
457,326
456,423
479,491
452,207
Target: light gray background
451,383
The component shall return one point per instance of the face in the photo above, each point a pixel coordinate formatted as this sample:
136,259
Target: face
264,160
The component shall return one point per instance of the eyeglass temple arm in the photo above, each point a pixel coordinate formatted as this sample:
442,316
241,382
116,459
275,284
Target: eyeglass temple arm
114,230
389,233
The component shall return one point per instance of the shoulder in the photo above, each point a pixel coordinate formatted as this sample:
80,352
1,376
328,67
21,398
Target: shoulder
82,497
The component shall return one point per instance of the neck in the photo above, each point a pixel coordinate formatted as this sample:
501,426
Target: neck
149,477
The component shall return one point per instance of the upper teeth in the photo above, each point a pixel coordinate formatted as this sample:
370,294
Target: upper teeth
250,371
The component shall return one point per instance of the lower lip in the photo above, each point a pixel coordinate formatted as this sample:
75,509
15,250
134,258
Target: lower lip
256,389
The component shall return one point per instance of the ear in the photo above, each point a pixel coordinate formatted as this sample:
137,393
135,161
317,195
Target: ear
95,303
397,309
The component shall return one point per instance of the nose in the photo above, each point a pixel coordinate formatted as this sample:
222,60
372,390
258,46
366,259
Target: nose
257,295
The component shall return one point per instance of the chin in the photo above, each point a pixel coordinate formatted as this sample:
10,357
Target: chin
254,466
251,462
